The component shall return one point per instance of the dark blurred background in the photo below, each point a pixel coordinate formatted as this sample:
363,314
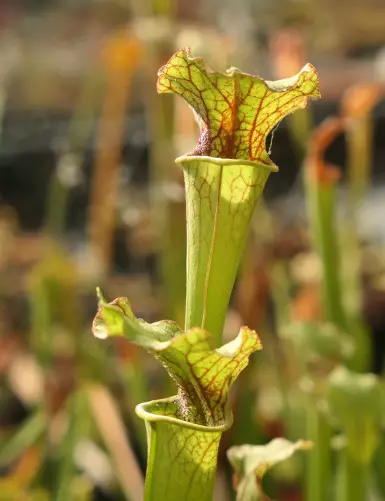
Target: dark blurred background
89,195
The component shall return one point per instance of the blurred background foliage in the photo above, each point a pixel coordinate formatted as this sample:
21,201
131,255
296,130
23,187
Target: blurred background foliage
89,195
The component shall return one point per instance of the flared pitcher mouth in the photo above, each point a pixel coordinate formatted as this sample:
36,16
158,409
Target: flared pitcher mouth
147,412
271,167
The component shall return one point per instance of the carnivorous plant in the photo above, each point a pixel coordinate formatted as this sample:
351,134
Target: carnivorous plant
224,177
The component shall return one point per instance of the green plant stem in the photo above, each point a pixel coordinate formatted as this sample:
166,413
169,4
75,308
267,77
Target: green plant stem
301,125
322,197
280,290
57,206
359,136
67,469
359,140
378,466
353,476
319,459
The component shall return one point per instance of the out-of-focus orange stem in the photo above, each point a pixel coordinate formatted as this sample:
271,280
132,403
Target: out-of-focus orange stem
322,137
357,103
321,181
121,57
360,99
288,55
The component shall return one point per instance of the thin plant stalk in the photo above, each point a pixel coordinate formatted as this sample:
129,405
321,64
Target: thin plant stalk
280,290
31,431
67,468
357,105
321,197
323,200
319,462
355,401
378,466
353,477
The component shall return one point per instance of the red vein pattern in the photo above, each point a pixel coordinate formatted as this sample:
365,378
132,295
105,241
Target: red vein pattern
190,456
188,441
235,111
202,374
220,201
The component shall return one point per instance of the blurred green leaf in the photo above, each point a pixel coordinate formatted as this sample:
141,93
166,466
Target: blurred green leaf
76,410
319,340
251,462
356,402
28,434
